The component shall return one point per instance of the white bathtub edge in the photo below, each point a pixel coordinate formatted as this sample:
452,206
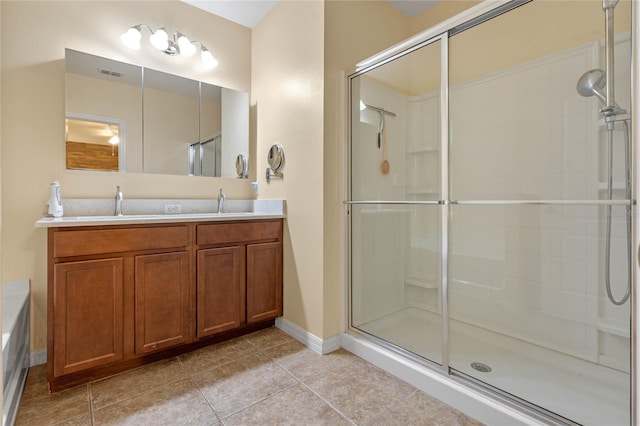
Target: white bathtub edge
470,402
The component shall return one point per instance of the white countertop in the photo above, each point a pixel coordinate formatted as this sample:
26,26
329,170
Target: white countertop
256,209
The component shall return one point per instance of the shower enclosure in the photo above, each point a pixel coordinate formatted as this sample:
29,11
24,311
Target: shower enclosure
490,205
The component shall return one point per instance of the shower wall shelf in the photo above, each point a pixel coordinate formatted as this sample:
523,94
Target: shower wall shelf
616,185
421,282
613,327
418,190
421,150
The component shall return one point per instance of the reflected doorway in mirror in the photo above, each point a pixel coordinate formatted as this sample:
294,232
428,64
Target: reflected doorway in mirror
94,143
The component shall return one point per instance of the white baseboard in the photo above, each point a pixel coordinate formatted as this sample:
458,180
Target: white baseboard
37,358
314,343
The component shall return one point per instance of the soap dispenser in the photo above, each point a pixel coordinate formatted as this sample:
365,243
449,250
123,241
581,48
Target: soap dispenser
55,201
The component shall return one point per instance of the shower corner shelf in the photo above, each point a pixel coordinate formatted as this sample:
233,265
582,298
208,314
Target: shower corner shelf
421,282
421,190
616,185
616,328
422,149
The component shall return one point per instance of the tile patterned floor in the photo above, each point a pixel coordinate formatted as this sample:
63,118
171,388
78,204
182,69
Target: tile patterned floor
264,378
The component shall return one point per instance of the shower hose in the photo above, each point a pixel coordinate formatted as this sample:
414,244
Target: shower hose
607,263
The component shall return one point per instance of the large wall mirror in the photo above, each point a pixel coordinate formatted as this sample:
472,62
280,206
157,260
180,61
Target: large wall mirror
122,117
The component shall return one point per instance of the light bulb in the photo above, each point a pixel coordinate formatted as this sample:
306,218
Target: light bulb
208,61
160,39
186,47
131,38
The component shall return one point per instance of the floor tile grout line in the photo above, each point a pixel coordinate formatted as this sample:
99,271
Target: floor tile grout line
93,408
90,395
258,352
227,361
205,399
148,391
400,401
340,413
222,419
299,380
335,409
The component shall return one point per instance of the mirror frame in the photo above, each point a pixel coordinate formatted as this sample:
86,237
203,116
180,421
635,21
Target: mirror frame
275,157
242,165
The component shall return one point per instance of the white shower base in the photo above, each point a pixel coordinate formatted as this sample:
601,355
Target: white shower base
582,391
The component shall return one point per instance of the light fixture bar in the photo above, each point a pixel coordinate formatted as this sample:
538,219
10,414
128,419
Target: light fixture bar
177,44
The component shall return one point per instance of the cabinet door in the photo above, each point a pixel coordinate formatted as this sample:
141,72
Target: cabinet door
264,281
220,289
87,314
161,301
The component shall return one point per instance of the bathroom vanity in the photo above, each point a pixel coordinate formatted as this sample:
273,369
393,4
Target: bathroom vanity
124,294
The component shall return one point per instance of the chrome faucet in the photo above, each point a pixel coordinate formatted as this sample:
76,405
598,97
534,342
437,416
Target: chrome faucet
221,199
118,211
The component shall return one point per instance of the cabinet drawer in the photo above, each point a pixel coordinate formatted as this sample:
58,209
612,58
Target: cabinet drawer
232,233
102,241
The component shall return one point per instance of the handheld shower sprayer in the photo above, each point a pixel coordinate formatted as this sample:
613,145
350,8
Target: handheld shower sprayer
591,83
595,83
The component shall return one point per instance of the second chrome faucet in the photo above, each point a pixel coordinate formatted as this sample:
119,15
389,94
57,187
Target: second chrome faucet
221,199
118,210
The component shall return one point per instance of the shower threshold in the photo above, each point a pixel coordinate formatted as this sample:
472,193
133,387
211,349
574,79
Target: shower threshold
582,391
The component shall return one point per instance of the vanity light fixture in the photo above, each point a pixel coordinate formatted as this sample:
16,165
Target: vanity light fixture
176,44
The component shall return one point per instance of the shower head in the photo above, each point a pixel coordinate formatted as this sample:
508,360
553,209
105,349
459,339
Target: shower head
591,84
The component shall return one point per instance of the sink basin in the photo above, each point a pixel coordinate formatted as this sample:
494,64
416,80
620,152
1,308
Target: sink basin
83,218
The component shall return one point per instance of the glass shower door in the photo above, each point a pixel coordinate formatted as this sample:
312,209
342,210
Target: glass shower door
528,310
395,209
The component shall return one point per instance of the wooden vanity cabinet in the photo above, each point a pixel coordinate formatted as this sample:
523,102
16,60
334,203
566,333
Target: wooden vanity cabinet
264,281
88,314
242,262
115,293
121,296
161,301
220,289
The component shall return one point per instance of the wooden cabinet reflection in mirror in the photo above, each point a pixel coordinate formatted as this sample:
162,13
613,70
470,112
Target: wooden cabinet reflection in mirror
92,144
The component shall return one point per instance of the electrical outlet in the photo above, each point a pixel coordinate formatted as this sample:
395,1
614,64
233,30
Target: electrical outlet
172,208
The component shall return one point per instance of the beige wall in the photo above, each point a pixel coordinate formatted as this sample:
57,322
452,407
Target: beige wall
287,108
33,113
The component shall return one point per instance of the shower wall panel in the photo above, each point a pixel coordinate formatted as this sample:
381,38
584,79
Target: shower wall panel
542,264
